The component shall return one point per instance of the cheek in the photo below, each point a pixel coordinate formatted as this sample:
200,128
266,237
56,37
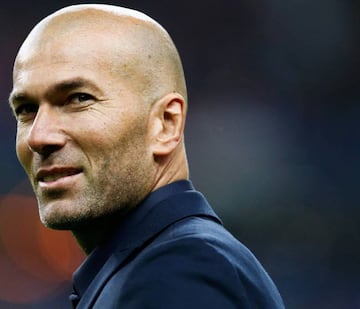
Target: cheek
22,149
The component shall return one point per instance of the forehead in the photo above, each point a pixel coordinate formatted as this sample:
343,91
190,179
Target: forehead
106,52
52,61
85,34
76,48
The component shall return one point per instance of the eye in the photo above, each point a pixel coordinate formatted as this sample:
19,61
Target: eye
80,97
26,109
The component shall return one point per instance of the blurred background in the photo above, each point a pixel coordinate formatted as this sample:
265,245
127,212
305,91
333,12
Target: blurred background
273,141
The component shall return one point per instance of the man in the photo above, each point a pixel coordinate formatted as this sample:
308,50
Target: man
100,100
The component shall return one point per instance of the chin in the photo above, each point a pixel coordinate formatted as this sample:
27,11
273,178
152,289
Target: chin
59,215
59,221
66,221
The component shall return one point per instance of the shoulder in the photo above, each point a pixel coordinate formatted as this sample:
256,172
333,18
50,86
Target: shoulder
199,263
200,236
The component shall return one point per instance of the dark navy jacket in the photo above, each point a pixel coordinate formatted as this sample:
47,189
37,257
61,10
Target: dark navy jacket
173,252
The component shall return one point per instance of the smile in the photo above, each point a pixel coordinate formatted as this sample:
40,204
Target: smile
56,177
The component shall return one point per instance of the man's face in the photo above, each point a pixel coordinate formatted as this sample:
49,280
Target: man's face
82,131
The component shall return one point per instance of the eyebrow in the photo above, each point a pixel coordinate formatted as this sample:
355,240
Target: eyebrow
63,86
72,84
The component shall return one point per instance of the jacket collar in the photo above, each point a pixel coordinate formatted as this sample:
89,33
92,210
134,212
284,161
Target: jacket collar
160,209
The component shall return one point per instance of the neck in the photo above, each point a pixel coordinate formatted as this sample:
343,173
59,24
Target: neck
172,168
96,232
89,241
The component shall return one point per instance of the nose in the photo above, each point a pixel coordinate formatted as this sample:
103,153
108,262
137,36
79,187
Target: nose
46,135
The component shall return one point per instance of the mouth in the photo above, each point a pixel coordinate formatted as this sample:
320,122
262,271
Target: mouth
55,174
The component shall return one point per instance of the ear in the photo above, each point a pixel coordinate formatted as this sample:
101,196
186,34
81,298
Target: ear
167,123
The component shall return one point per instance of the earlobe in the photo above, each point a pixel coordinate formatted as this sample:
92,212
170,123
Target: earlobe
169,121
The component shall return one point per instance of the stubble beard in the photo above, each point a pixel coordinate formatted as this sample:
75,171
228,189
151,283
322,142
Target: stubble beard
111,197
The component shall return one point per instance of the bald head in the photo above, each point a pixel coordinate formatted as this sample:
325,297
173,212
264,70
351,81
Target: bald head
127,42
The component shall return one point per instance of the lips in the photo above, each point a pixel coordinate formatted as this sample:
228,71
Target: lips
56,173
